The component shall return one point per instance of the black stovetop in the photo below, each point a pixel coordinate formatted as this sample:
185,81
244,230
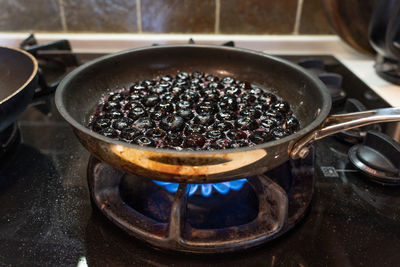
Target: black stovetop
46,217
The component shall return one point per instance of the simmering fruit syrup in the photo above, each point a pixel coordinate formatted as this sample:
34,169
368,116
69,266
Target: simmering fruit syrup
193,111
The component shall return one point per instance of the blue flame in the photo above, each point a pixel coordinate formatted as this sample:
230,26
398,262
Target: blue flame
205,189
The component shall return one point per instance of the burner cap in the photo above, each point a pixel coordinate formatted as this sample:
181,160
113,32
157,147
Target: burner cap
356,135
378,157
333,82
314,65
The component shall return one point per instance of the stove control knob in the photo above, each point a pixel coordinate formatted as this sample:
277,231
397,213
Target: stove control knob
378,157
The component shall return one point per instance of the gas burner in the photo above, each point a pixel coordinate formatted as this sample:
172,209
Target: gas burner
333,81
378,157
205,189
204,218
55,60
354,136
10,138
388,69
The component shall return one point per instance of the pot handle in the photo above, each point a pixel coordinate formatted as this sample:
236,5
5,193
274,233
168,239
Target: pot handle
337,123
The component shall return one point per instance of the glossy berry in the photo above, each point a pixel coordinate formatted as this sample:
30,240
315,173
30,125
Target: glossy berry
172,123
129,133
195,140
156,133
122,123
109,132
136,113
114,114
174,139
143,141
110,105
101,123
143,123
246,123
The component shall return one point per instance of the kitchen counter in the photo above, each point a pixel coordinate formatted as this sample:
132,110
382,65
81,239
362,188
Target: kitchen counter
361,65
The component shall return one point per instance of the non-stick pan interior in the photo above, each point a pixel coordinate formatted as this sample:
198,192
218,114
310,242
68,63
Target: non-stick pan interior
85,88
15,70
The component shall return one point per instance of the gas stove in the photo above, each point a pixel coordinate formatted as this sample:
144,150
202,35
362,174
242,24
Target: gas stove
58,207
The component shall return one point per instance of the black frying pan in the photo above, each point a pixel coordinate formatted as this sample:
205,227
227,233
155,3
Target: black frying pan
80,91
18,80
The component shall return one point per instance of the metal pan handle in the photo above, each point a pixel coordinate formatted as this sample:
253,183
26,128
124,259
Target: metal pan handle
337,123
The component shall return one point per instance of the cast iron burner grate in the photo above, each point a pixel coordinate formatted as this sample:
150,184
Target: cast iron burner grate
264,208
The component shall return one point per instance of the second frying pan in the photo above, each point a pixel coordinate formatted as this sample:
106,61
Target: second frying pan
18,80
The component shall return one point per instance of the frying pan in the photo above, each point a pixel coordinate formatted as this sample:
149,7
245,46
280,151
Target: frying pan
80,91
18,80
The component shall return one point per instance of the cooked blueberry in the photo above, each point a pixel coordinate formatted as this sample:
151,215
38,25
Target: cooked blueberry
184,104
236,135
212,78
279,132
157,115
186,114
292,124
150,100
228,103
137,89
166,78
273,113
206,107
268,99
158,89
269,123
110,105
256,91
129,133
182,75
251,112
114,114
194,129
132,104
174,139
245,85
165,85
156,133
190,96
181,83
165,106
109,132
236,144
195,140
215,134
100,124
147,83
144,141
223,126
203,119
122,123
143,123
136,113
232,90
246,123
282,106
169,97
134,97
197,74
195,82
248,98
177,90
259,137
226,115
219,144
228,80
116,97
172,123
215,85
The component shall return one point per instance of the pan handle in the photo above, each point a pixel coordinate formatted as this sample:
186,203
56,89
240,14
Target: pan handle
337,123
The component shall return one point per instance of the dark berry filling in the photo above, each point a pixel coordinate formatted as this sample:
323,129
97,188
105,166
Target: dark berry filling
193,111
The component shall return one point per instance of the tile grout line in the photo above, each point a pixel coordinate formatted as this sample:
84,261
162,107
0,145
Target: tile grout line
299,10
62,15
139,15
217,15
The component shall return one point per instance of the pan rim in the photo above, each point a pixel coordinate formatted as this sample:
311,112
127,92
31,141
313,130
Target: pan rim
31,77
323,112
